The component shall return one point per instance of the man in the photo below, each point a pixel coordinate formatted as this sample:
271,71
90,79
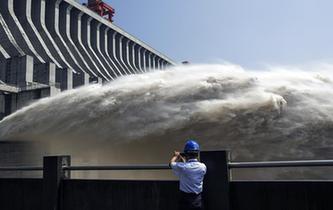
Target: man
191,173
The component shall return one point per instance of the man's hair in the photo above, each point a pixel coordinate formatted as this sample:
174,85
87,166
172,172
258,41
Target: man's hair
192,155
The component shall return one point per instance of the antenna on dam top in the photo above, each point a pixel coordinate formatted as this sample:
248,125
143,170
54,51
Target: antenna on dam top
101,8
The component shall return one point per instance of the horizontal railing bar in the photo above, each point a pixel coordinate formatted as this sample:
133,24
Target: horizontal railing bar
22,168
278,164
118,167
231,165
93,168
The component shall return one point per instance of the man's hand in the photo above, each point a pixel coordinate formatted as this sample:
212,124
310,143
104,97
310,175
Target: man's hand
177,157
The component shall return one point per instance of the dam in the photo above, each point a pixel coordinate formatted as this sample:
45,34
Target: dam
106,145
48,46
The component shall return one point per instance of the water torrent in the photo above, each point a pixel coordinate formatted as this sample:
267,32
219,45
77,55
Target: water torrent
275,114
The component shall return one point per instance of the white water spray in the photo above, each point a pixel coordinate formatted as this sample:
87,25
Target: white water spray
260,115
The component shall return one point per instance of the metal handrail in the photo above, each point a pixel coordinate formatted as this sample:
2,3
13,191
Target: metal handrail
22,168
231,165
117,167
279,164
93,168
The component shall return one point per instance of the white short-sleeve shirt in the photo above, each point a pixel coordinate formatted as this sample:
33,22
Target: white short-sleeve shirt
191,175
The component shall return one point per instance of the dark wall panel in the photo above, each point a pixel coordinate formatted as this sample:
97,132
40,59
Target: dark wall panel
281,195
26,194
21,194
119,195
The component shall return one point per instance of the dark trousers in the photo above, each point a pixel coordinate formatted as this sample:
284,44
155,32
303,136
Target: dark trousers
190,201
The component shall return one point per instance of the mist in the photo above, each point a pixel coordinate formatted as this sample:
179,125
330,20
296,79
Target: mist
272,114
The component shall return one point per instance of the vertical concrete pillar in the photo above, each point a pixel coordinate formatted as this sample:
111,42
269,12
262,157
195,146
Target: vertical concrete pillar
2,106
99,80
216,182
144,60
86,79
54,88
21,70
78,33
78,79
134,58
65,78
140,59
163,65
93,42
101,45
128,56
149,61
46,74
122,52
69,79
154,62
53,174
3,64
52,73
115,52
109,44
159,63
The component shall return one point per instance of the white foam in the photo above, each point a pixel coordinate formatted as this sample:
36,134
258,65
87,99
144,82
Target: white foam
222,105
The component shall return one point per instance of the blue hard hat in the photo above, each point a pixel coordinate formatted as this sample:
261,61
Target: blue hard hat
191,146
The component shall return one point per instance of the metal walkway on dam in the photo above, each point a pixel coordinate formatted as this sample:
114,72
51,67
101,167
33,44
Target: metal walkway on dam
47,46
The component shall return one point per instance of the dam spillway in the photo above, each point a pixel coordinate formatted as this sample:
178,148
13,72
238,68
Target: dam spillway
47,46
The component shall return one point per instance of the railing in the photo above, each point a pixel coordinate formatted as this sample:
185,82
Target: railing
231,165
22,168
217,179
279,164
93,168
117,167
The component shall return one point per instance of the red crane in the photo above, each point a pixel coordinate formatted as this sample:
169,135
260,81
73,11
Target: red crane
101,8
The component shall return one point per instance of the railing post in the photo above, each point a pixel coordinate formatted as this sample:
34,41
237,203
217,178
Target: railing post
216,182
52,176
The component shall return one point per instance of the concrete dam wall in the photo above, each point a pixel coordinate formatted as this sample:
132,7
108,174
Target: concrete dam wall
47,46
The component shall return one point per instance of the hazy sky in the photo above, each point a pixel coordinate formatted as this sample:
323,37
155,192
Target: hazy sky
251,33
